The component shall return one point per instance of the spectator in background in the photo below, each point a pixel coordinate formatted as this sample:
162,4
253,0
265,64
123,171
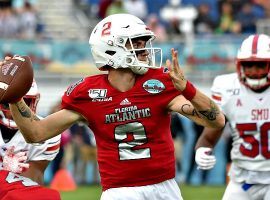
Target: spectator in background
83,148
203,23
263,5
5,3
235,4
76,142
173,29
154,24
227,23
227,136
197,129
28,21
115,7
9,23
247,18
177,131
18,4
103,7
137,8
58,162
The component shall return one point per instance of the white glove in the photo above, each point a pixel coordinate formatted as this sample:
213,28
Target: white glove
15,162
204,158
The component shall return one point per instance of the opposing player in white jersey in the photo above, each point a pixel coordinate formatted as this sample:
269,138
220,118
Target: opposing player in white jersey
245,100
22,165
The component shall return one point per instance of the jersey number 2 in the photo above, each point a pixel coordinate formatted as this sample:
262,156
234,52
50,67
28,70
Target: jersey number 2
255,146
129,147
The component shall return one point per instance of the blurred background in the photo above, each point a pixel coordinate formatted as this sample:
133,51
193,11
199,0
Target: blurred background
55,35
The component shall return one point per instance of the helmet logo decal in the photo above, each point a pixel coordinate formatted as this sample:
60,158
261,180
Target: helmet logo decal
126,26
153,86
106,29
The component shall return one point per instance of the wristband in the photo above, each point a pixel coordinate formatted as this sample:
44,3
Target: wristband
189,92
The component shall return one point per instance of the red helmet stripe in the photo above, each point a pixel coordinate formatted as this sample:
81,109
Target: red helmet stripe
255,44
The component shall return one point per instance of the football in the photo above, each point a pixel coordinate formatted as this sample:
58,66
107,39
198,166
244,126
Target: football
16,77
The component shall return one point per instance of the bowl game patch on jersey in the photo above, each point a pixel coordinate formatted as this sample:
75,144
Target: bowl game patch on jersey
153,86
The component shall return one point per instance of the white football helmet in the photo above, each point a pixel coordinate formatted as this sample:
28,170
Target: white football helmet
108,44
255,48
31,99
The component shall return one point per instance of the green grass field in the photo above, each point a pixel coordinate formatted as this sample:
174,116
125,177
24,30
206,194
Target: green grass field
188,193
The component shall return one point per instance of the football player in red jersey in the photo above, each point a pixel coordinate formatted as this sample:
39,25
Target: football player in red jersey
22,165
245,99
128,110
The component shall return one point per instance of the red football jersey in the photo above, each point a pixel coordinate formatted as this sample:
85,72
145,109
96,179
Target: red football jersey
132,129
16,187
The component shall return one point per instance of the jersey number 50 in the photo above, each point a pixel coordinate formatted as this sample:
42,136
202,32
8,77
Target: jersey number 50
256,145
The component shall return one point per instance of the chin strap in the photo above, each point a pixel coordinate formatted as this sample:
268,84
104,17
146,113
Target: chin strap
139,70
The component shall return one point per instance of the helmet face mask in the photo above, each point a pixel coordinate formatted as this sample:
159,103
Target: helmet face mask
253,62
142,55
110,38
31,99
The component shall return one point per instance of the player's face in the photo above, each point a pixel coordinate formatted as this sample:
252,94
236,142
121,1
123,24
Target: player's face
255,69
139,43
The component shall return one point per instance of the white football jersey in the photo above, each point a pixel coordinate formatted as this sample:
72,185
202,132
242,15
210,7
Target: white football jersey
248,114
35,152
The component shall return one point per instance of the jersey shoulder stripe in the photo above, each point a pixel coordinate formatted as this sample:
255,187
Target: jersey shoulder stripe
223,87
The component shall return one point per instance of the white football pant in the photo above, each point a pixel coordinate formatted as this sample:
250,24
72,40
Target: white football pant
167,190
242,191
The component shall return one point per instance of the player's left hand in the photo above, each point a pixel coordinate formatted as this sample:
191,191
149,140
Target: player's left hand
175,72
15,162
